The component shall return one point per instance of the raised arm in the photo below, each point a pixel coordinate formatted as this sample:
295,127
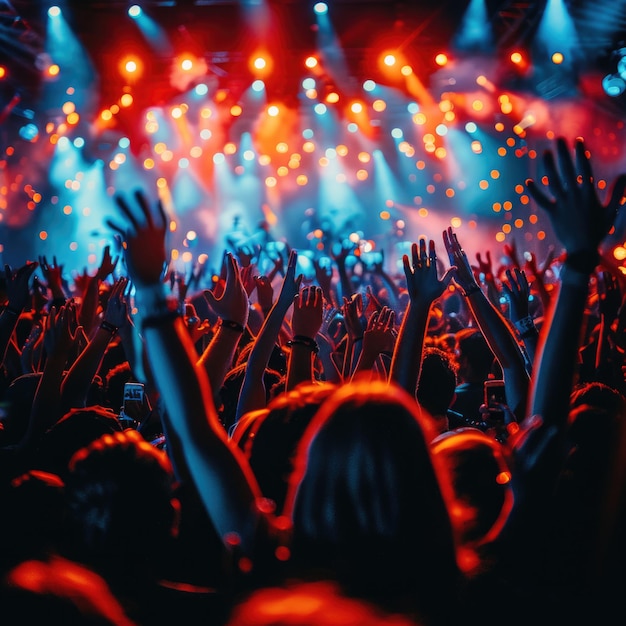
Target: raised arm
424,287
306,321
75,387
253,394
223,480
580,221
494,327
18,297
232,308
515,289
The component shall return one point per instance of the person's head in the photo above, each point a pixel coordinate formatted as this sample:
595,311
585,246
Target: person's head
474,356
33,515
231,387
437,382
114,382
271,441
122,514
481,479
76,429
366,499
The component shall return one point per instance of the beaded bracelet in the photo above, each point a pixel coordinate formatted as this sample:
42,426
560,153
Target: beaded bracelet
302,340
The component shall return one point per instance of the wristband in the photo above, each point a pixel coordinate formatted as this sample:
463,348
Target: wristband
236,326
108,327
473,288
525,324
301,340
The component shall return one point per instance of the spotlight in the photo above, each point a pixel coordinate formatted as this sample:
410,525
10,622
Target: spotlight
134,10
54,11
441,59
320,8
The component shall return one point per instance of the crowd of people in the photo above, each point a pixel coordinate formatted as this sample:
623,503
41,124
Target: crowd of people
443,444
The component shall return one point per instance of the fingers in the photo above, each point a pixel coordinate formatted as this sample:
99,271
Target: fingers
566,164
583,164
539,196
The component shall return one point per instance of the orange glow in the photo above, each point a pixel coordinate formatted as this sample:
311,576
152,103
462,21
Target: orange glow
53,70
310,62
517,57
3,71
441,59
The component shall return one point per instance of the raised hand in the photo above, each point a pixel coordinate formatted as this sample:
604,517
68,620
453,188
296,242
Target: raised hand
196,327
232,304
116,311
144,237
484,267
380,336
516,291
353,316
17,289
247,254
423,284
53,275
291,282
264,293
324,277
570,198
308,311
463,273
60,332
107,265
510,249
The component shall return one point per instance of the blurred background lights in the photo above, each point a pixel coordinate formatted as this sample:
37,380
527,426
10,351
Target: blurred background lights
134,10
320,8
54,11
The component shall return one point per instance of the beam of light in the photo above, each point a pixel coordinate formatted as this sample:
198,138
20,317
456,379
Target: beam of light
557,33
388,189
331,52
77,71
475,32
154,34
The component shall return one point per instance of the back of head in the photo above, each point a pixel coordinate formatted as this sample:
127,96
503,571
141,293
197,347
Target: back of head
75,430
481,480
271,443
473,348
32,518
366,499
119,497
437,382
